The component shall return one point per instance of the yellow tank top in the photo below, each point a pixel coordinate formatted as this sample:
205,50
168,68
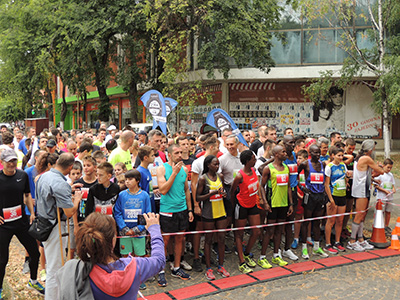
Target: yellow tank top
217,201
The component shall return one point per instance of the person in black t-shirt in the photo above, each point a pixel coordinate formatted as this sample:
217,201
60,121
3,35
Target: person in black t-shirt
14,192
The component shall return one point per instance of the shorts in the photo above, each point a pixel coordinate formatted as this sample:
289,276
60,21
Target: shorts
278,213
340,200
314,202
387,206
294,197
136,245
228,207
243,212
213,220
174,222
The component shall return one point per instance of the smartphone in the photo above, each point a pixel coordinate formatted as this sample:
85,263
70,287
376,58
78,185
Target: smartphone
305,198
141,220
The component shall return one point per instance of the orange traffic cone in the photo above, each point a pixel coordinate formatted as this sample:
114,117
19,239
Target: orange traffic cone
378,238
395,241
397,229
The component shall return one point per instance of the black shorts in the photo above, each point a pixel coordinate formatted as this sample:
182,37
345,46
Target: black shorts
213,220
243,212
278,213
294,196
314,202
228,207
178,221
340,201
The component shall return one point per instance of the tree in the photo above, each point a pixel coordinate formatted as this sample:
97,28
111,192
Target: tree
227,32
381,59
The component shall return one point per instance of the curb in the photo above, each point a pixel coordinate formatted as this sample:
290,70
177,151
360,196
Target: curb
244,280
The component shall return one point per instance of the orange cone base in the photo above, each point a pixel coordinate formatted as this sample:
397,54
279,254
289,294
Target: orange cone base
378,239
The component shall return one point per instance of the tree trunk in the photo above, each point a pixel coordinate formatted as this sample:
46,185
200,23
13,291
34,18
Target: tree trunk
386,126
133,94
50,104
64,110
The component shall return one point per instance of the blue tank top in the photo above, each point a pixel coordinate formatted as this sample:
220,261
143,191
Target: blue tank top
315,179
292,165
175,200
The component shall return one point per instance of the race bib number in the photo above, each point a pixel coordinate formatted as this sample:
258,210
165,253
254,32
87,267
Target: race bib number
293,169
130,215
216,197
104,209
340,184
253,189
282,179
12,213
388,186
317,178
151,193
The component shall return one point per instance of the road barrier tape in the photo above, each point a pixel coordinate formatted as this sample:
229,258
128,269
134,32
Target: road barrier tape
254,226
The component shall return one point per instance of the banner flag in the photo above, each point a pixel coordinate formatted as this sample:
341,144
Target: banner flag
170,105
219,119
154,102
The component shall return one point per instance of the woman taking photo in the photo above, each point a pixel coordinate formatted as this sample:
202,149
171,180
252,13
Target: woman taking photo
99,274
211,194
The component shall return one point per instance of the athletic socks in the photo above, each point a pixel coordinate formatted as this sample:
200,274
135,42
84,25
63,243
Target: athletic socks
316,245
361,230
304,246
354,229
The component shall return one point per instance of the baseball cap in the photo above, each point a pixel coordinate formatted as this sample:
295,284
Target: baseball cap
111,127
51,143
8,155
142,132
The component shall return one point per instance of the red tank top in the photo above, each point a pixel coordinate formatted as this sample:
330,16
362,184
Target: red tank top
248,193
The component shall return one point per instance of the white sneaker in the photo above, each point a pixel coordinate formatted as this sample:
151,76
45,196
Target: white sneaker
289,254
355,246
366,245
185,265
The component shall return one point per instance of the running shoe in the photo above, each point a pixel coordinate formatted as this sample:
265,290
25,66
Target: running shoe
161,279
197,265
355,246
366,245
388,230
2,295
339,247
244,268
295,244
43,275
320,252
142,286
249,261
330,249
25,268
263,263
224,273
36,287
304,254
186,266
210,275
227,250
180,274
289,254
279,261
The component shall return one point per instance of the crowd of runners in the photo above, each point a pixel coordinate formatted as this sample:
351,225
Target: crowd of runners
101,181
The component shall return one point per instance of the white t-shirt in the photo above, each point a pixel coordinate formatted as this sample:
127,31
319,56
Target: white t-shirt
153,170
387,183
198,165
229,165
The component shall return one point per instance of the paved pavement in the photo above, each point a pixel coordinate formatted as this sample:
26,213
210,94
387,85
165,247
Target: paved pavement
377,279
231,260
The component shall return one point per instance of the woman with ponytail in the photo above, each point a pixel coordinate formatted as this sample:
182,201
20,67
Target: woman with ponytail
99,274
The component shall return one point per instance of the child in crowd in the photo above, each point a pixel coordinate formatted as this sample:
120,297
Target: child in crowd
99,157
121,182
146,155
103,195
385,191
131,203
87,181
74,175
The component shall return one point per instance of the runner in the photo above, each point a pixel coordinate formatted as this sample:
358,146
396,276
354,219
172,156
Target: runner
211,194
335,188
279,207
362,176
245,204
14,195
314,198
